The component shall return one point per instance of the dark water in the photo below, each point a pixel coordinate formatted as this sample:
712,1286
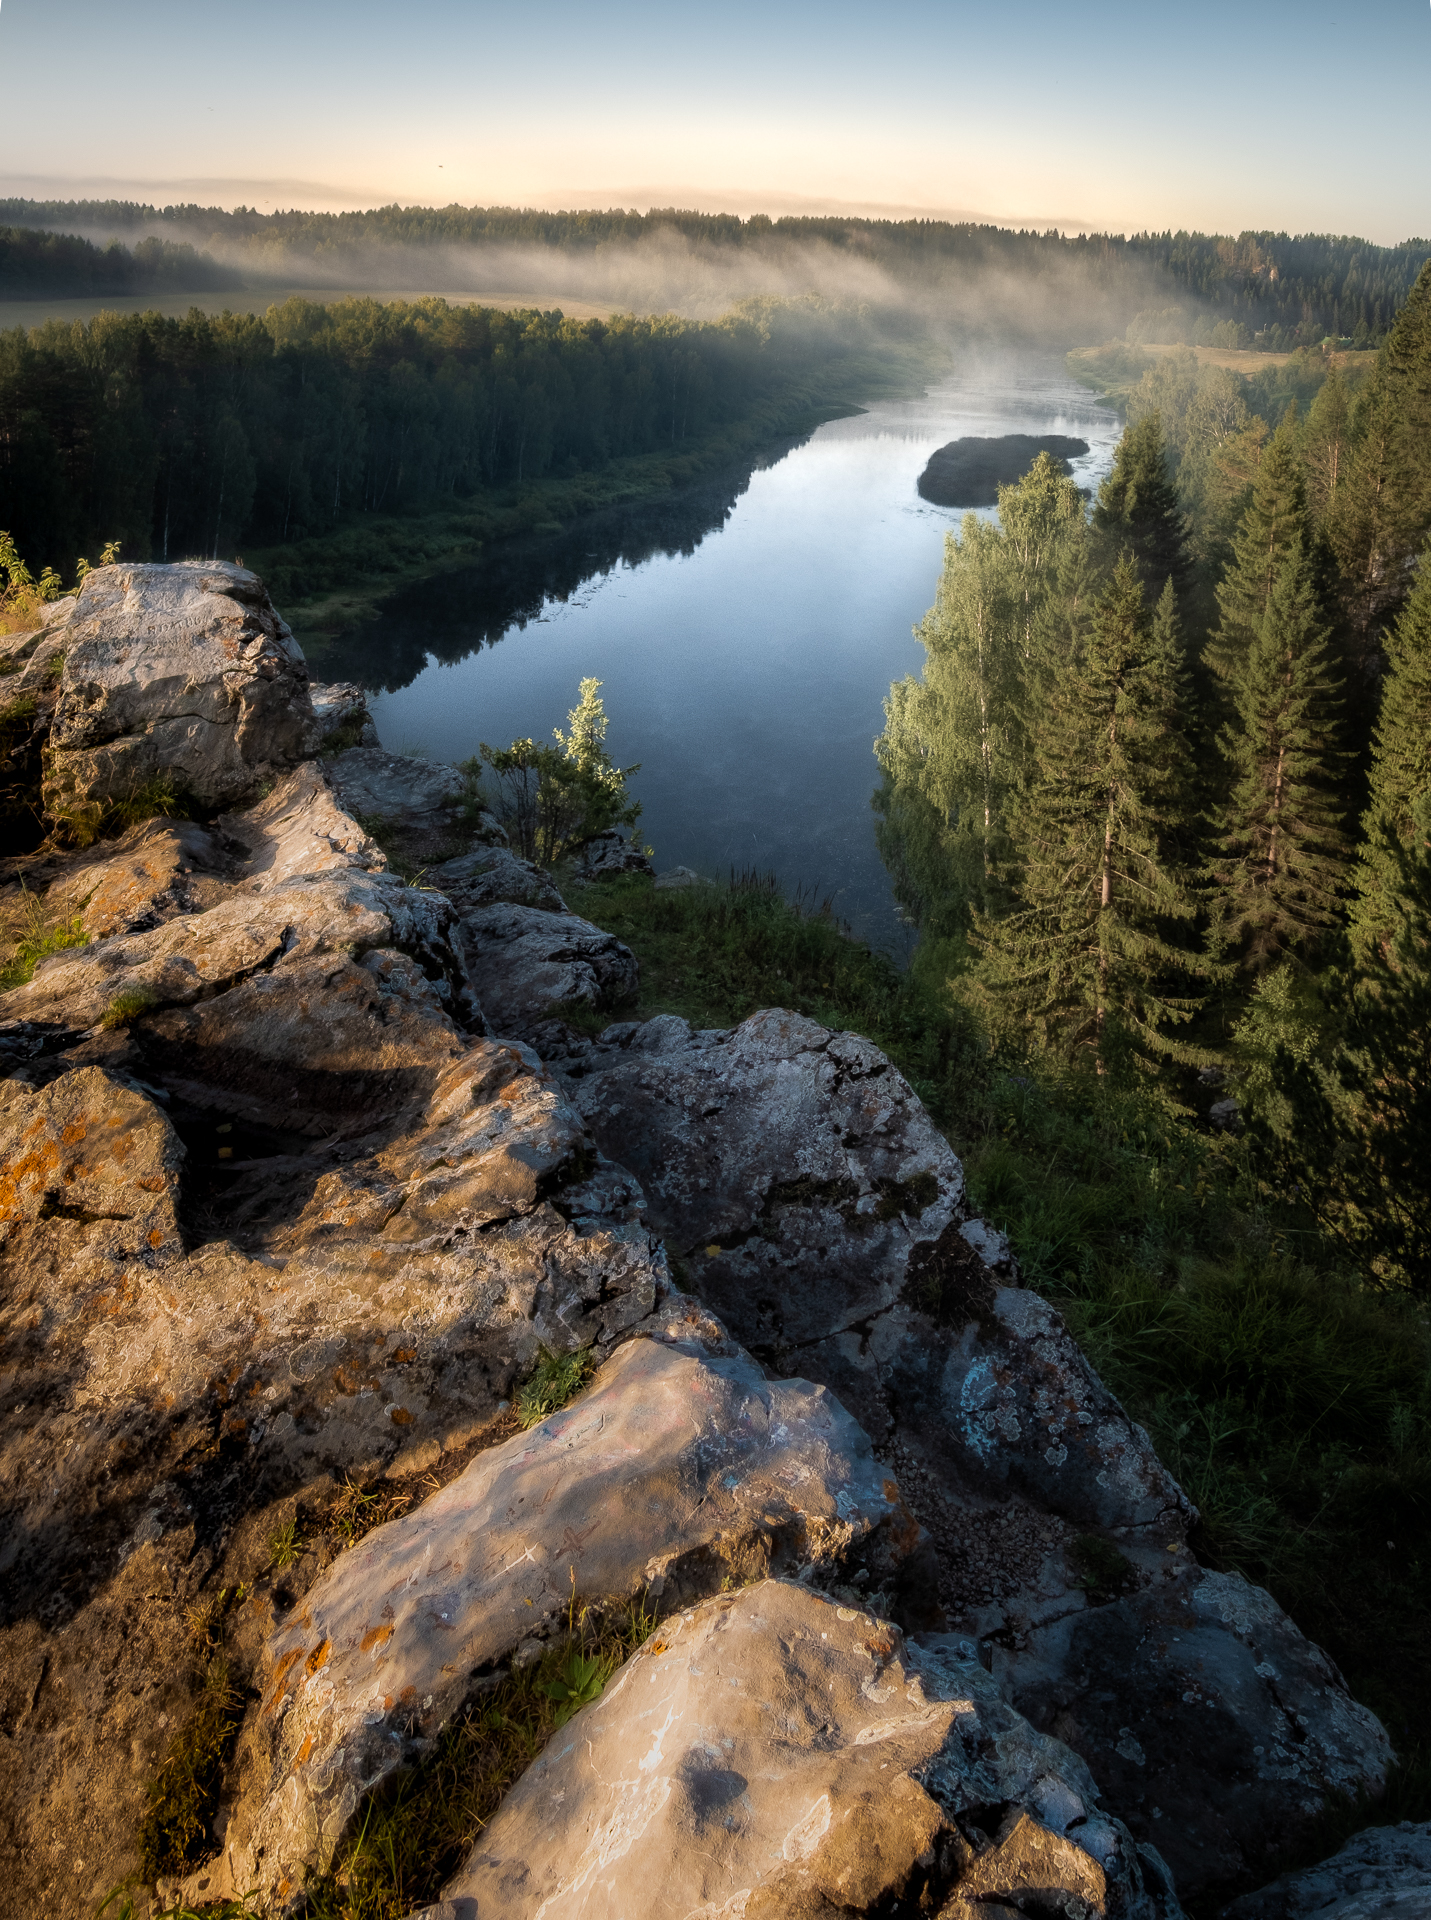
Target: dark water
745,634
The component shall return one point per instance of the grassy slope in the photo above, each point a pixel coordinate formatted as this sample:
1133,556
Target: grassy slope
1294,1406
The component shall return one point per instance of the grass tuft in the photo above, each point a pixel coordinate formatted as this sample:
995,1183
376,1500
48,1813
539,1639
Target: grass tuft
556,1378
174,1833
127,1007
35,939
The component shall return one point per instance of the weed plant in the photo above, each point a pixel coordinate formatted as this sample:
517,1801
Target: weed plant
1293,1404
556,1378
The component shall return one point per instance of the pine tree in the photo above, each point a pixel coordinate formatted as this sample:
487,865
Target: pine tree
1283,854
1399,815
1275,522
1092,960
1138,509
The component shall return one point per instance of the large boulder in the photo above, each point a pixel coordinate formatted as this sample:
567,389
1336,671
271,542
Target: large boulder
793,1169
174,677
530,965
489,876
681,1472
341,710
421,807
1383,1873
775,1756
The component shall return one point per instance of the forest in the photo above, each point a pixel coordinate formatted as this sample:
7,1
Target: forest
201,436
1199,861
39,264
1274,289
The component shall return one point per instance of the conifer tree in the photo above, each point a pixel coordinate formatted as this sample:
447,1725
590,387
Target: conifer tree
1399,816
1283,854
1275,522
1138,509
1095,960
1326,448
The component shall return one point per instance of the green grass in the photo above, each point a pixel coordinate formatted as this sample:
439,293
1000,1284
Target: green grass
37,940
125,1008
1294,1405
555,1379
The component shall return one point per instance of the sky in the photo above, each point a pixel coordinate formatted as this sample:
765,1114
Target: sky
1105,115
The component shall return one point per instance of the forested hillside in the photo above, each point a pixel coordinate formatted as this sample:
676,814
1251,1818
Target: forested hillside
1277,290
203,435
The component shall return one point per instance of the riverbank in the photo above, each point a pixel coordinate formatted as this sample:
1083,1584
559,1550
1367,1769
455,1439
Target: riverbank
330,584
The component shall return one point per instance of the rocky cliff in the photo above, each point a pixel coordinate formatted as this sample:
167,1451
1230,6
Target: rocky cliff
306,1170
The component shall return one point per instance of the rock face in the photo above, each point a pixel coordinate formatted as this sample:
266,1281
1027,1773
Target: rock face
821,1216
682,1470
774,1756
182,674
1382,1874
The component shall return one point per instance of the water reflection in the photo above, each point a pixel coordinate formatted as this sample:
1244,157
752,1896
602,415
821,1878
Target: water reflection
447,618
746,633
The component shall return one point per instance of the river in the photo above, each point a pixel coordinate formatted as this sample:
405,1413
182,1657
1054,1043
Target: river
745,634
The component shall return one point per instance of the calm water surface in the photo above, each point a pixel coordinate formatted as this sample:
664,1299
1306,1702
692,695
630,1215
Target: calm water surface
745,635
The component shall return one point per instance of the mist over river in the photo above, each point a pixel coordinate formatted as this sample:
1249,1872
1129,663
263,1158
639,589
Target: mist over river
745,635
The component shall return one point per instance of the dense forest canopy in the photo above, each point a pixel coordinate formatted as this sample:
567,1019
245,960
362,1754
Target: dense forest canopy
1277,289
197,436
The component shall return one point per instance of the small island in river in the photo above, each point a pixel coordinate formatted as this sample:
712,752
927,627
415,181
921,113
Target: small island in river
969,472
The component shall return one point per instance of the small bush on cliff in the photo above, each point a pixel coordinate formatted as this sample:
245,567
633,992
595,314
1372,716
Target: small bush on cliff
549,802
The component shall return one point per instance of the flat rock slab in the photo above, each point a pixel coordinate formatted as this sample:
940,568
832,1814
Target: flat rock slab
1212,1725
794,1168
175,673
682,1470
773,1756
969,472
529,965
1383,1873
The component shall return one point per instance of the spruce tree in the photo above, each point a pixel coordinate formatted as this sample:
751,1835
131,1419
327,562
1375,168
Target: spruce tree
1094,962
1399,816
1283,854
1138,509
1275,522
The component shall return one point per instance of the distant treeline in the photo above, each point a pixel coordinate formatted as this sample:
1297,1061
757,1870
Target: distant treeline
1289,290
35,264
203,435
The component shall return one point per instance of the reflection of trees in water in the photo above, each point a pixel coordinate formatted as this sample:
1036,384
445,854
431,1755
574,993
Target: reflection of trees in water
453,615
